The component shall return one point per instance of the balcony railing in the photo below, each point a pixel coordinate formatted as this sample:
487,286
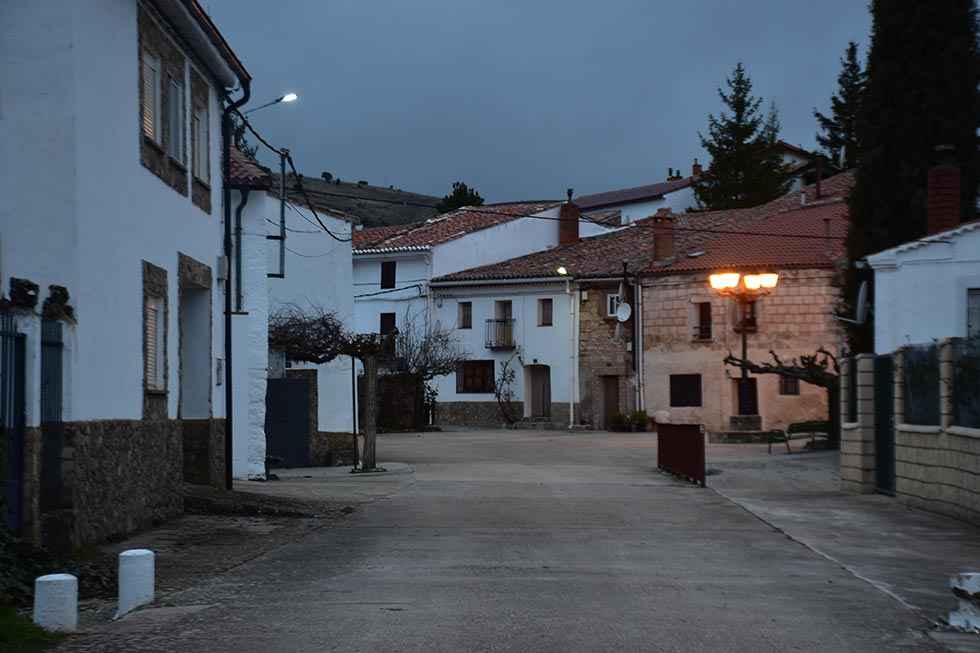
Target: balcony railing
702,332
500,334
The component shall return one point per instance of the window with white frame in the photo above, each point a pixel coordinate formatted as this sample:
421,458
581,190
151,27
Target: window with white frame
151,96
154,330
545,312
200,144
613,300
175,120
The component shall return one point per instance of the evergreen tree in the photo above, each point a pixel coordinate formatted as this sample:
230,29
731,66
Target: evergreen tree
840,128
746,169
921,91
461,195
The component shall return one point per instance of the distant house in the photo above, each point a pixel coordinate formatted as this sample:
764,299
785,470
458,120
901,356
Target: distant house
113,282
626,205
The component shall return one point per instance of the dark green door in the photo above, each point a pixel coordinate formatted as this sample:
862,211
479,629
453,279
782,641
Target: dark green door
884,424
287,422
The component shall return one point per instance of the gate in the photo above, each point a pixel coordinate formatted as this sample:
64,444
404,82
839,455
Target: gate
680,451
12,419
52,426
287,422
884,394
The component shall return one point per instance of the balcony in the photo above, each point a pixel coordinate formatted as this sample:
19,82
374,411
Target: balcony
500,334
702,332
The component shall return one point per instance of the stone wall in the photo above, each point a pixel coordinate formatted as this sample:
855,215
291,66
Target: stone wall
31,486
603,352
204,451
795,319
857,445
474,413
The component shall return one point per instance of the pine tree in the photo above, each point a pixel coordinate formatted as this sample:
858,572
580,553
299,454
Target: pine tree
746,168
840,128
461,195
921,91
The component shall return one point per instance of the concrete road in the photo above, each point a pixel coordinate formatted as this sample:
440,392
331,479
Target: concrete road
526,541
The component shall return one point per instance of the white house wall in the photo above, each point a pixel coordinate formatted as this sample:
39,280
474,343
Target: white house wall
921,291
412,275
678,202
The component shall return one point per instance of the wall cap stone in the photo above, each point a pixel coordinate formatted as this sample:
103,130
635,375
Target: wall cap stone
964,431
918,428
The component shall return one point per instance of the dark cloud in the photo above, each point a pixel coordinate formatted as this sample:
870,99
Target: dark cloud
522,99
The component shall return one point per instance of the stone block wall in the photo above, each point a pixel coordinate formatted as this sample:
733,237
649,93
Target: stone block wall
204,451
474,413
857,447
603,351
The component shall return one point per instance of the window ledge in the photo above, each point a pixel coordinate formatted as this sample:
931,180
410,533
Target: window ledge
850,426
702,340
201,182
177,163
149,140
155,392
918,428
964,431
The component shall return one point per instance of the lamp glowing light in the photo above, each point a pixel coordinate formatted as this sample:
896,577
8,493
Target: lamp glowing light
752,281
561,270
768,280
289,97
724,280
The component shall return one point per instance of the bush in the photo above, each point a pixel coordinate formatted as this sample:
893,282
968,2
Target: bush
619,422
640,420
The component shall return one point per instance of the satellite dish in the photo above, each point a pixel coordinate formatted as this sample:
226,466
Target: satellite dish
623,312
860,306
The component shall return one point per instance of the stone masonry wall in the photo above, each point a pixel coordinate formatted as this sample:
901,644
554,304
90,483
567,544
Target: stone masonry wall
857,446
473,413
603,352
795,319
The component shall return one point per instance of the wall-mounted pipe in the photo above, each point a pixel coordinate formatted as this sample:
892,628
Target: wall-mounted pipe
238,251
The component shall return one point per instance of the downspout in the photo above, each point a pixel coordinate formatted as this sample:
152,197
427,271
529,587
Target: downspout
571,354
638,343
238,250
226,143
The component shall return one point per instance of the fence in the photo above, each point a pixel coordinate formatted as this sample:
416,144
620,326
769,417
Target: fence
920,369
680,451
966,382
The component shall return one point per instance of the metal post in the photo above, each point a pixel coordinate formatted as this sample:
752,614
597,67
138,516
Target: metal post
283,153
744,385
353,401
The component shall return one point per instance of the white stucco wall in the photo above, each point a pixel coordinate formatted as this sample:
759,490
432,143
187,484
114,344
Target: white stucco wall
540,345
921,290
412,274
678,202
80,210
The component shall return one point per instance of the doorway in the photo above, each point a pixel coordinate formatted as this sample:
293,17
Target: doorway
747,396
539,391
610,399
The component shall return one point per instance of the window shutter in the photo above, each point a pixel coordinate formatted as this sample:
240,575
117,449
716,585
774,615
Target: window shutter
150,336
151,96
175,120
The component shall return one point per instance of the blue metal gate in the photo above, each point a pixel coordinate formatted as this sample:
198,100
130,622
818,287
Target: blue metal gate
12,419
884,394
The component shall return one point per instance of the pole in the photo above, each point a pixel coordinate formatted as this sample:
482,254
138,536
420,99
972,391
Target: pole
353,401
744,385
283,153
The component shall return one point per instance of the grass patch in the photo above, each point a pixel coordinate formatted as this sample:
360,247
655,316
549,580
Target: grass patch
19,634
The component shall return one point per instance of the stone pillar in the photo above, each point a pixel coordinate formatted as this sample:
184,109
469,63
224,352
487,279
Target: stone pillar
946,382
367,458
899,365
857,451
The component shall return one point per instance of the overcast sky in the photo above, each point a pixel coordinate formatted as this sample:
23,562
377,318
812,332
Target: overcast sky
524,98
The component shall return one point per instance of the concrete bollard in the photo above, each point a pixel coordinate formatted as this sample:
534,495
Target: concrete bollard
966,587
56,602
137,569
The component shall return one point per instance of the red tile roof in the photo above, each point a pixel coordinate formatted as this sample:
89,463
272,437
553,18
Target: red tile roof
246,173
627,195
443,228
782,220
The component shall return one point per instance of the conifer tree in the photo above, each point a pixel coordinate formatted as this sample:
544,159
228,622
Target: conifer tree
746,169
921,92
839,130
461,195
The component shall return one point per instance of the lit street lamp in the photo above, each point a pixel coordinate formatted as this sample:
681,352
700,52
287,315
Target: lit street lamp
745,289
288,97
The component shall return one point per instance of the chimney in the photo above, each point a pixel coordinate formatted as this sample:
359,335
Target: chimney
663,235
568,217
696,169
943,194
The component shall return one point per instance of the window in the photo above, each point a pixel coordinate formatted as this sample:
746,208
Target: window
151,97
789,385
702,330
464,316
545,310
503,309
685,390
388,274
973,312
387,323
154,364
613,300
475,376
200,144
175,120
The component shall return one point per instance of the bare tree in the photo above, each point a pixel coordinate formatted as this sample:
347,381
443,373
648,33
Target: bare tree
503,387
314,335
820,369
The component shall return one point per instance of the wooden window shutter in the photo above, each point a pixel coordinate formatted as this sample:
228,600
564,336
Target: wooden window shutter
150,326
151,96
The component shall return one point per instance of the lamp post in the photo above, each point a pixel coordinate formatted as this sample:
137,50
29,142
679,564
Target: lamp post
288,97
745,289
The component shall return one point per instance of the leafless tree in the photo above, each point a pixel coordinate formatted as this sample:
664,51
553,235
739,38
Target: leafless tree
503,387
312,335
820,369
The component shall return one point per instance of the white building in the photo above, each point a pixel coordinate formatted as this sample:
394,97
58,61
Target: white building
310,270
110,151
627,205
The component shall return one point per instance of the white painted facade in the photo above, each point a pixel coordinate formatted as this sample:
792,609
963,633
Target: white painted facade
81,211
923,288
677,201
554,346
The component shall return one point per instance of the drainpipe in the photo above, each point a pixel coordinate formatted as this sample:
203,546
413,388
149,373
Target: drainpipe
238,250
226,143
638,343
572,373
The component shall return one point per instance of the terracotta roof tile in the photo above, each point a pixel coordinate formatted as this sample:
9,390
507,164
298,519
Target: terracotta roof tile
246,173
635,194
443,228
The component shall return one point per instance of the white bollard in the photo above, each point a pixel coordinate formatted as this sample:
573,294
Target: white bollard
966,586
136,579
56,602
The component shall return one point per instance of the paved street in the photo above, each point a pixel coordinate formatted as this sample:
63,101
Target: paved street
526,541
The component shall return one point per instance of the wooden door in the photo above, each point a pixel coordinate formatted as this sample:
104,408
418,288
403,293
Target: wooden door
540,391
610,398
748,396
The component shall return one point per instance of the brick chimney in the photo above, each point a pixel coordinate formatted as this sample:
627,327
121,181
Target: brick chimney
696,169
568,217
663,235
943,193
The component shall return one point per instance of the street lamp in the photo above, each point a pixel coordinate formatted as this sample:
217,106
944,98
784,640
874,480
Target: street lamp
745,289
288,97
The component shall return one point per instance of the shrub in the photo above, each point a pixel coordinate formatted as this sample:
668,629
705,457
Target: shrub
640,420
619,422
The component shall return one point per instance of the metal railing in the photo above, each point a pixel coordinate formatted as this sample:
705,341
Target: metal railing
500,334
702,332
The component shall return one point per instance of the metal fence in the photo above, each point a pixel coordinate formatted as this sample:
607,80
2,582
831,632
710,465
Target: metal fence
966,382
12,371
921,380
852,389
680,451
